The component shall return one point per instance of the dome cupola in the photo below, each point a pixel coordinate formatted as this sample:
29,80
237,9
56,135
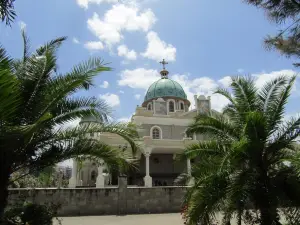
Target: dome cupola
165,88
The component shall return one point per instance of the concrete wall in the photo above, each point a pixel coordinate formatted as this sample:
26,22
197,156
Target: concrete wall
105,201
168,132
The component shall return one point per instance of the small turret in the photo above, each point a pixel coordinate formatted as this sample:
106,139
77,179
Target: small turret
164,73
202,103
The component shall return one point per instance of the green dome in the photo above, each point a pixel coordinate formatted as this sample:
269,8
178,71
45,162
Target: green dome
165,88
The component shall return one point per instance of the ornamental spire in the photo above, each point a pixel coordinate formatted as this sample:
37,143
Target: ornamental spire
163,62
164,73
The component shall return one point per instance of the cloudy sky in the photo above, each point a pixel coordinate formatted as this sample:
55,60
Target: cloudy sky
204,41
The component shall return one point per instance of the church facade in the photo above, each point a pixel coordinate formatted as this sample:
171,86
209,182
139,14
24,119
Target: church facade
162,120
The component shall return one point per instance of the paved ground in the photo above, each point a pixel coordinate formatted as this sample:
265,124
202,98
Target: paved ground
148,219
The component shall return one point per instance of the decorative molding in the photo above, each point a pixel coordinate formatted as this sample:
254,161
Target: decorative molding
160,100
147,151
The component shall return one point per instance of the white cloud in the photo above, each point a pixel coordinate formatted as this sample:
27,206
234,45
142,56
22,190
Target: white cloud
289,116
240,70
158,49
94,45
125,52
262,78
122,92
142,78
120,18
138,78
85,3
125,62
105,84
201,86
225,81
75,40
137,96
22,25
111,99
124,119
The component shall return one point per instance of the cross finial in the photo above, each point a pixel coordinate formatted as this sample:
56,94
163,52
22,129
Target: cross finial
163,62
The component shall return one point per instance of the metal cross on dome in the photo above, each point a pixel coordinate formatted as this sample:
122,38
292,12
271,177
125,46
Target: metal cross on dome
164,62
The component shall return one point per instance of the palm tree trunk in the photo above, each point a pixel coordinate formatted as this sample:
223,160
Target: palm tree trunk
266,204
4,182
269,217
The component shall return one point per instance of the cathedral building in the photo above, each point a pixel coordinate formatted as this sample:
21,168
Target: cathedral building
162,120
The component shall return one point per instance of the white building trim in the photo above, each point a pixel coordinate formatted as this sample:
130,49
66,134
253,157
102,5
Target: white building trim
160,131
161,120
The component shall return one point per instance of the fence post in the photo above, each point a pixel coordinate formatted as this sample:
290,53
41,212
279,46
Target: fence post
122,191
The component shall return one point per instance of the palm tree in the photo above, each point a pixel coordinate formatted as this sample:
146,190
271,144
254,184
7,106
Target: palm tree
7,12
35,104
243,169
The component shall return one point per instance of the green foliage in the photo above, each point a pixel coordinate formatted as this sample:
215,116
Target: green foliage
287,41
47,177
242,166
36,103
30,214
7,12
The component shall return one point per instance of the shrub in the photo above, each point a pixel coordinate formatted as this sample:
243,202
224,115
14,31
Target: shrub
30,214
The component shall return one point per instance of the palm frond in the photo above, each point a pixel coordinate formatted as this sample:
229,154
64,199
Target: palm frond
26,44
244,91
270,91
81,77
7,12
5,60
202,205
276,108
226,94
204,149
80,107
126,132
52,45
217,126
9,90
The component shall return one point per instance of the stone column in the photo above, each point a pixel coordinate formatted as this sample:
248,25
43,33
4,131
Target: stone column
189,172
189,168
147,178
100,178
60,178
73,180
122,194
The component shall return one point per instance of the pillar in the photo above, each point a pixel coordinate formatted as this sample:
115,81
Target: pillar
100,178
147,178
73,180
189,168
122,195
189,173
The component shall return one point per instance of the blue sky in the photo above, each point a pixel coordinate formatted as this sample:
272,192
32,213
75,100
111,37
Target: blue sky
204,41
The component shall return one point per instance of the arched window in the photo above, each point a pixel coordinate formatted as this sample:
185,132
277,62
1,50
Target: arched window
171,106
149,107
181,106
156,132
